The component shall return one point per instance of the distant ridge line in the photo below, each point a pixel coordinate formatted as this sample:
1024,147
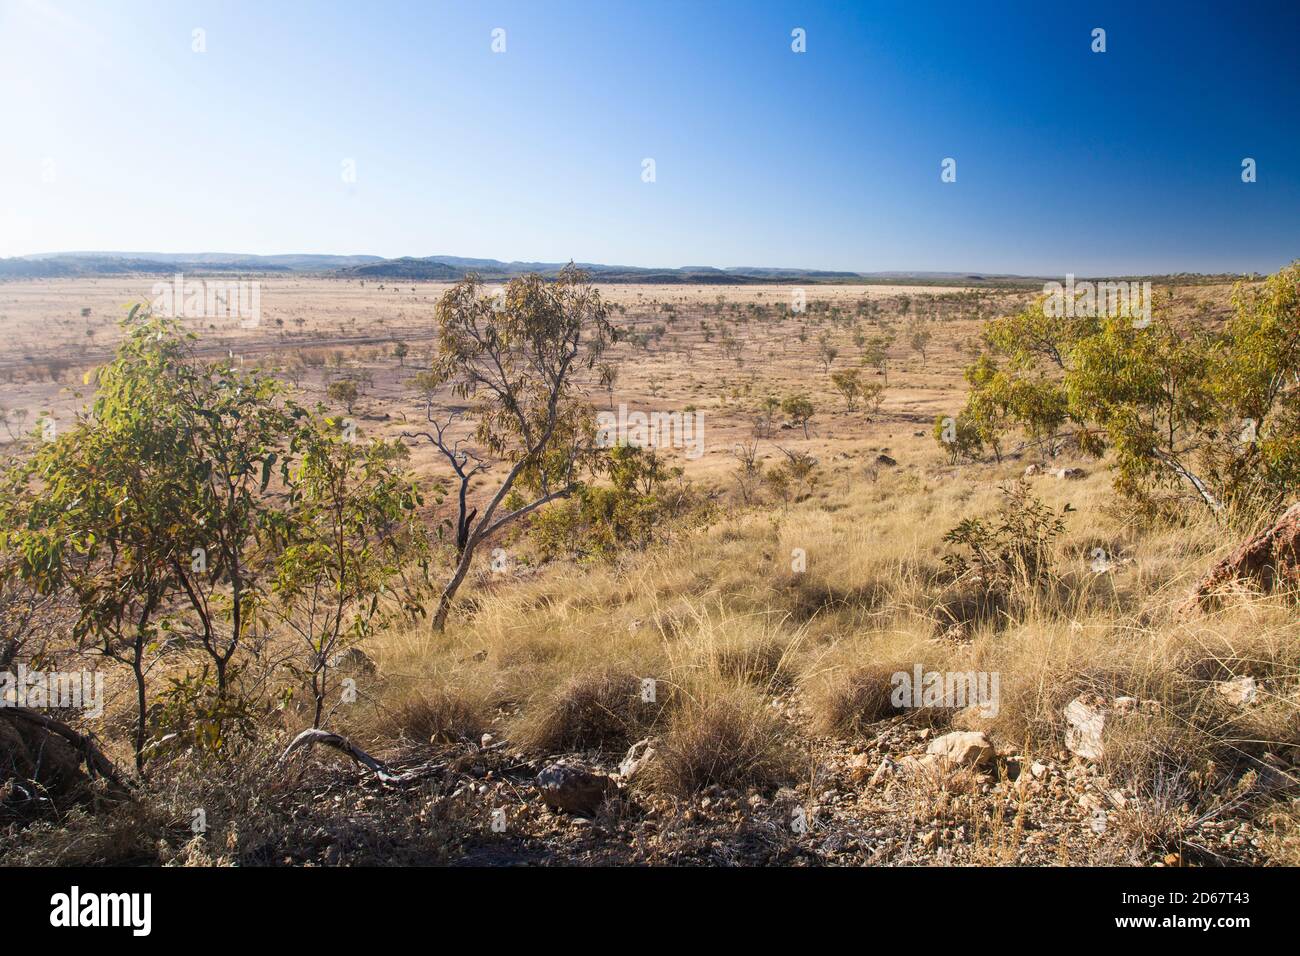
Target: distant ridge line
453,268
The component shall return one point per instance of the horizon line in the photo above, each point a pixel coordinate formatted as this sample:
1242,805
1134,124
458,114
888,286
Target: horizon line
973,273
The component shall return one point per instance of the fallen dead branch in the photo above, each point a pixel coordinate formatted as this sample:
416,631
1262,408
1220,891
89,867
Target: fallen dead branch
340,743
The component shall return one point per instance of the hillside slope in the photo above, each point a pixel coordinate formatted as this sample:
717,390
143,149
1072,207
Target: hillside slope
773,735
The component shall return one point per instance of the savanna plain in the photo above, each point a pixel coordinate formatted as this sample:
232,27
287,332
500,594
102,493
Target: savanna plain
697,650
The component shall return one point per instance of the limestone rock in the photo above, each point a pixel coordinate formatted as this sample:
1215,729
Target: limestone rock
1240,691
961,749
886,770
1085,719
636,759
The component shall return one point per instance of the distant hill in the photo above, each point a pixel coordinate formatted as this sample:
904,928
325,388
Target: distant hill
238,261
405,268
54,267
427,268
452,268
455,267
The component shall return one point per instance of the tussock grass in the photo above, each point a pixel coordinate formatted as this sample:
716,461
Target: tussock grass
850,687
440,715
600,709
727,738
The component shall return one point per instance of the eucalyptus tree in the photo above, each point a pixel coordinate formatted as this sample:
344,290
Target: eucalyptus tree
516,358
96,512
352,510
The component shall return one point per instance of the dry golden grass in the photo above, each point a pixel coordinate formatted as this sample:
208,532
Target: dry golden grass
724,626
726,737
439,715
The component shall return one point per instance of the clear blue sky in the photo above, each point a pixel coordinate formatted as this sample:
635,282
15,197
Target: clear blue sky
115,135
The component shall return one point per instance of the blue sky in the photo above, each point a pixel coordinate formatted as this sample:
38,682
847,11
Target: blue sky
115,134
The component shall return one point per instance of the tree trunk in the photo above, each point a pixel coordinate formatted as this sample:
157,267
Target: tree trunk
318,692
140,711
449,592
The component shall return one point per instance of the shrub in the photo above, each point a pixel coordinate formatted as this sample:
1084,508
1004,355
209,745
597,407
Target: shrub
959,437
345,392
1187,412
1009,550
643,504
800,409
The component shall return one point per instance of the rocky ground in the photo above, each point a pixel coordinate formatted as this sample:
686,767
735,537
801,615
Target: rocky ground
904,795
899,794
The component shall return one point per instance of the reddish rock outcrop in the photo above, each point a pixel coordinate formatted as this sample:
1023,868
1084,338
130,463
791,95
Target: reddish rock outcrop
45,764
1269,561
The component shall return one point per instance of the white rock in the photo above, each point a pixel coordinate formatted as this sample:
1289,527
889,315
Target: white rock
1085,719
883,772
1239,691
962,749
638,755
